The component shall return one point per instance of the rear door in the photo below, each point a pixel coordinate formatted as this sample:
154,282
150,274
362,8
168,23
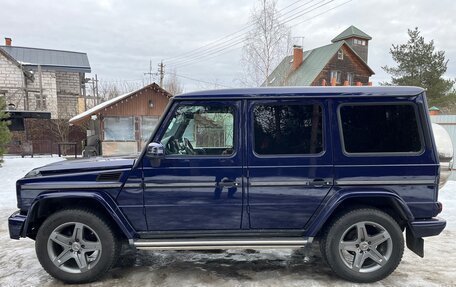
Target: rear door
289,161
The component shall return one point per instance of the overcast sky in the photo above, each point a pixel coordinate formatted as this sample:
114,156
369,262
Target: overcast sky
120,37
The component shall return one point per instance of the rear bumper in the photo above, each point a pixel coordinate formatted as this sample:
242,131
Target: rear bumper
16,224
428,227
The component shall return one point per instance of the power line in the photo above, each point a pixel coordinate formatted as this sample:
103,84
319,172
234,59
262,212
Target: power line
201,81
221,45
217,52
229,45
150,72
315,16
196,50
196,58
299,15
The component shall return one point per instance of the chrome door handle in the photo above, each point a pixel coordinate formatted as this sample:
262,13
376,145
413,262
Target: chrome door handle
319,182
228,183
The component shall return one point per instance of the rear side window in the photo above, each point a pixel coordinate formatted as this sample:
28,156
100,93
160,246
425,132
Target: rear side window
387,128
288,129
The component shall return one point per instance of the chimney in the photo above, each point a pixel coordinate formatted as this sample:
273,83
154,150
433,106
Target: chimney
297,57
8,41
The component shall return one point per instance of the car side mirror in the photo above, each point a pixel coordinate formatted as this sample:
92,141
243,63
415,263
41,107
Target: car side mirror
155,152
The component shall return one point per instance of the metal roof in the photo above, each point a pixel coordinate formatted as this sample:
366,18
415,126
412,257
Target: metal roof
312,64
351,31
49,59
304,91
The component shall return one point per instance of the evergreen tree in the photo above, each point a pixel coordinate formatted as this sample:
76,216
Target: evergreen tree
418,64
5,135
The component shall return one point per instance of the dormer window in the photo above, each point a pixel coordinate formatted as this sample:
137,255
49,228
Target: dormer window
340,54
359,42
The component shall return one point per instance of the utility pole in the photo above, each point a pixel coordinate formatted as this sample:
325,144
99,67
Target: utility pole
161,72
96,90
150,72
93,92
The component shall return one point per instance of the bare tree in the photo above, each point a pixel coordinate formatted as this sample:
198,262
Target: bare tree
172,84
266,44
60,129
111,89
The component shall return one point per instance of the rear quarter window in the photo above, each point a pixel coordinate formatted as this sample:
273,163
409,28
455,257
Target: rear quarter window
380,129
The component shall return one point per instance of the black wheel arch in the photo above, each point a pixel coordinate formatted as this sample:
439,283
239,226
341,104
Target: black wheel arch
390,203
49,203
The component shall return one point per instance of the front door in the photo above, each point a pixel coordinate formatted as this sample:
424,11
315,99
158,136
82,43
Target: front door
198,185
289,165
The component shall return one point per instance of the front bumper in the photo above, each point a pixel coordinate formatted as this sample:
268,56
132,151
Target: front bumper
428,227
16,224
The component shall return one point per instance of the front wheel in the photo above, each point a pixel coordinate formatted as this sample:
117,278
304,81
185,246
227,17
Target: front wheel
364,245
76,246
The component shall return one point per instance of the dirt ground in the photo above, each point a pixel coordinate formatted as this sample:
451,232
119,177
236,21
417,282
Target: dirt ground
19,267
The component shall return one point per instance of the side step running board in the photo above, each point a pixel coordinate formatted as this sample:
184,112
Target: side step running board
232,243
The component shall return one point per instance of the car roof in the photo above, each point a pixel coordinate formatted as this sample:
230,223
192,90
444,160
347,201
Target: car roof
303,91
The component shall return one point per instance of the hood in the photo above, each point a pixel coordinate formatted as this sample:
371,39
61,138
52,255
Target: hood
83,165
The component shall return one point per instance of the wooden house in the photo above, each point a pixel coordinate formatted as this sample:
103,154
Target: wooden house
121,126
343,62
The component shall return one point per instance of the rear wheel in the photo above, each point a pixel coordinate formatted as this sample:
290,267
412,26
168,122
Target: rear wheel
76,246
364,245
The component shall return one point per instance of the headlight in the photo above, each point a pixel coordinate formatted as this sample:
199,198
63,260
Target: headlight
33,173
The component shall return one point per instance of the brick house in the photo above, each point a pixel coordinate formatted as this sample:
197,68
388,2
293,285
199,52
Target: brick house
36,79
35,82
343,62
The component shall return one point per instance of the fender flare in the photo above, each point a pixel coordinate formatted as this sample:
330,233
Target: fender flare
331,205
105,200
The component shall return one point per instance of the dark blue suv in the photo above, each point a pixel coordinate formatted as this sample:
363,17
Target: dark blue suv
349,167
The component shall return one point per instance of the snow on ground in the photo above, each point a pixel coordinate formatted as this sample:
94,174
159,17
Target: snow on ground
447,195
19,266
14,168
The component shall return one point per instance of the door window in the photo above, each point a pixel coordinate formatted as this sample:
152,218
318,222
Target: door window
288,129
200,130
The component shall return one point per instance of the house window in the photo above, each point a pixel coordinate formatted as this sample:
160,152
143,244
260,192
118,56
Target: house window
119,128
340,54
335,75
40,102
148,125
359,42
350,78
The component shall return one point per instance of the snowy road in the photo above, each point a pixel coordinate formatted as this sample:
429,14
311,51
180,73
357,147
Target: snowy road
19,266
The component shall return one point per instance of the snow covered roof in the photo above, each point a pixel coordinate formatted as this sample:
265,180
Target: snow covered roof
95,110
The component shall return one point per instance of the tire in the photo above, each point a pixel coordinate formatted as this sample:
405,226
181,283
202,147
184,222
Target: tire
363,245
76,246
